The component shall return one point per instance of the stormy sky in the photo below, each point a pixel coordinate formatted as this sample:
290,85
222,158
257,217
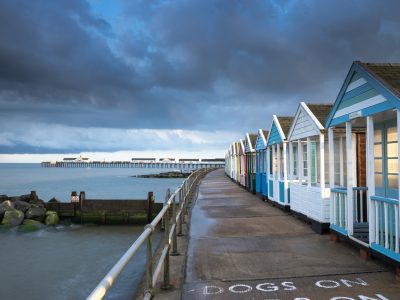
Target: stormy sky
178,76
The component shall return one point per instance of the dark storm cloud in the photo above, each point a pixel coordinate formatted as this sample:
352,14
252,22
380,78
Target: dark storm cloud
196,65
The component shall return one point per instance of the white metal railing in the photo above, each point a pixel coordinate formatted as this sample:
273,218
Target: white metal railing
386,223
339,198
165,216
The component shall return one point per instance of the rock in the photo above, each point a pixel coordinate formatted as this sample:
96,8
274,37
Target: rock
54,200
51,218
6,204
36,212
22,205
30,225
12,217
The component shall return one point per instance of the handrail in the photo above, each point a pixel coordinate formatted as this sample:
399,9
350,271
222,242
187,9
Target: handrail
384,199
339,190
170,235
343,190
360,188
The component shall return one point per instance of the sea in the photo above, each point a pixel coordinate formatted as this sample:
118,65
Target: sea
68,261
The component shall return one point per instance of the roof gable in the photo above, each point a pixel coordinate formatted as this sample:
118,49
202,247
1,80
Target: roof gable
261,142
306,123
367,90
250,142
241,147
276,134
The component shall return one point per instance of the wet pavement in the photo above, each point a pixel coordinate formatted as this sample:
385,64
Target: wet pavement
243,248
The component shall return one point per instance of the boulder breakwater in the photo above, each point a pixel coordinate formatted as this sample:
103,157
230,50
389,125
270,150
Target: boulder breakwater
28,212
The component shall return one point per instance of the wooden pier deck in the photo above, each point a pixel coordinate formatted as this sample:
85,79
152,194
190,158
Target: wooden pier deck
243,248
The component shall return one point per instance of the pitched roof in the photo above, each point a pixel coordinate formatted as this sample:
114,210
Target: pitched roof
387,74
320,111
286,123
253,139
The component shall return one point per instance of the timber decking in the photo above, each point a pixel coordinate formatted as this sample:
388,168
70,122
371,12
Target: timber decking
242,248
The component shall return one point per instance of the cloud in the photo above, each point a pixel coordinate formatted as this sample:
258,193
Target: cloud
195,66
40,138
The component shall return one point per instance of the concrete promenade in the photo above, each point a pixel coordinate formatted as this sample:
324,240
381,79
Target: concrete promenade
243,248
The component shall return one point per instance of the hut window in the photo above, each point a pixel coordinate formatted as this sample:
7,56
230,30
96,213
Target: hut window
272,160
313,162
295,160
305,169
265,161
386,169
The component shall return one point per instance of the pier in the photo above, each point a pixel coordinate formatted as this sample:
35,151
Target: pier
137,165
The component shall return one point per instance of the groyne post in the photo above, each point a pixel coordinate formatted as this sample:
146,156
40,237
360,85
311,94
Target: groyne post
74,197
33,195
150,200
82,197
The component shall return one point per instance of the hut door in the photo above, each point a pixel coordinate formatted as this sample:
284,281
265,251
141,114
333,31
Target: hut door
361,160
360,191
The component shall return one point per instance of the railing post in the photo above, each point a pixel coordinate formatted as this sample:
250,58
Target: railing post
182,212
167,195
184,207
149,262
174,239
166,284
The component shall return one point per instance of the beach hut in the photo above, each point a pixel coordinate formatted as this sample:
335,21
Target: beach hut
235,162
261,163
228,162
249,145
277,152
308,168
242,160
363,158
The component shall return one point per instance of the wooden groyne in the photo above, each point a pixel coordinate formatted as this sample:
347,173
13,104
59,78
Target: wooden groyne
106,211
137,165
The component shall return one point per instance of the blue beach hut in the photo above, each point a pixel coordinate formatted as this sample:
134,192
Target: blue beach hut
363,158
278,184
261,163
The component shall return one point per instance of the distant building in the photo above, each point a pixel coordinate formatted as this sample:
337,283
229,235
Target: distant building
167,159
213,160
189,160
139,159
